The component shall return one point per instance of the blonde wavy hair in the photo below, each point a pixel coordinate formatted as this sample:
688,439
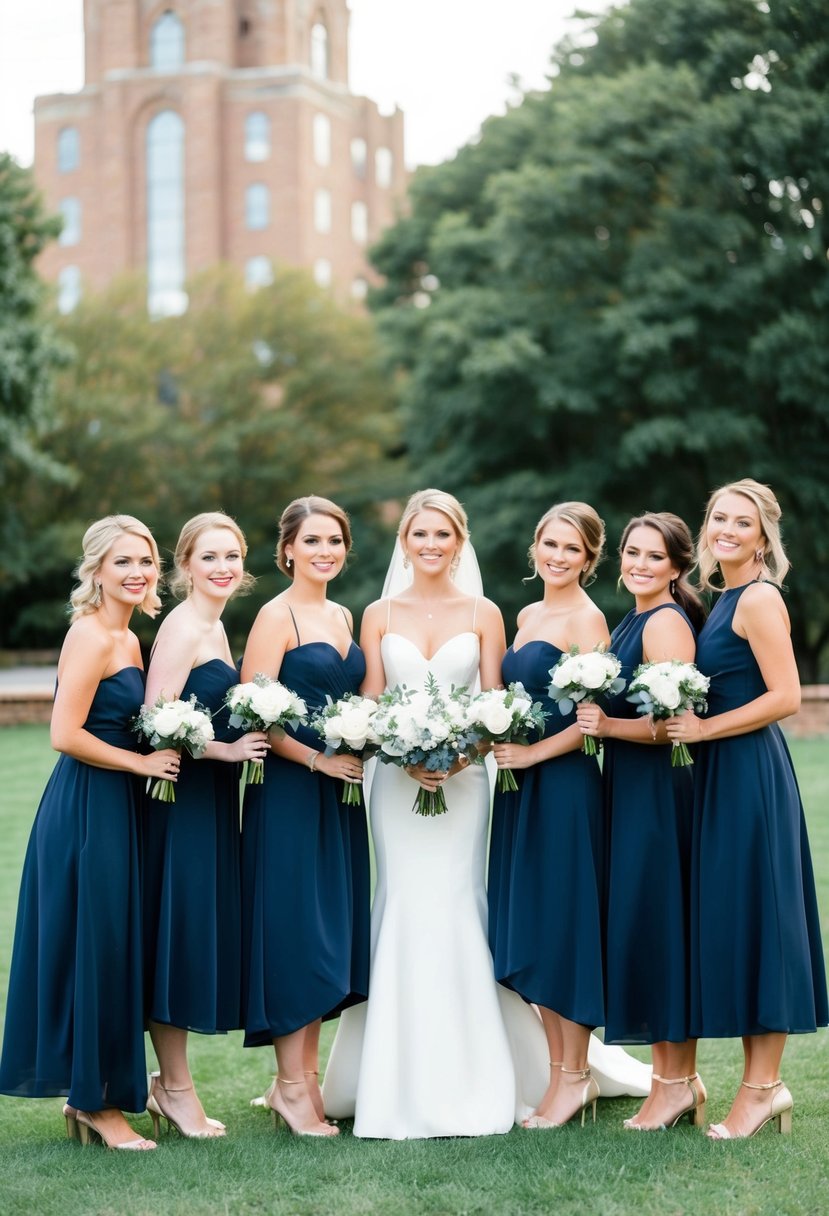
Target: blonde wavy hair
296,513
179,581
590,527
772,562
97,542
434,500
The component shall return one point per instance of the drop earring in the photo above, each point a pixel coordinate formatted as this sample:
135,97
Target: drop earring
672,586
97,597
758,556
405,561
453,565
289,561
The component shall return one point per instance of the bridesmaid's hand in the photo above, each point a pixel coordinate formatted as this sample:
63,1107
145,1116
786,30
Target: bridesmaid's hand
163,764
347,768
592,720
513,755
253,746
685,728
428,780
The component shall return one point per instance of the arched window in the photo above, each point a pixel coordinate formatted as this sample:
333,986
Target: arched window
69,288
319,50
165,215
322,272
359,155
257,207
69,149
322,210
359,222
167,43
257,136
258,272
322,139
383,164
70,210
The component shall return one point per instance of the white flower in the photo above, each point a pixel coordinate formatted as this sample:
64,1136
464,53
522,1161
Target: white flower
595,669
354,725
495,716
167,718
665,690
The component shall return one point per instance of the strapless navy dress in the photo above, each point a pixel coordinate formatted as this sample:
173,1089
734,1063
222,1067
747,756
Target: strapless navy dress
546,866
649,806
756,958
305,873
191,881
74,1020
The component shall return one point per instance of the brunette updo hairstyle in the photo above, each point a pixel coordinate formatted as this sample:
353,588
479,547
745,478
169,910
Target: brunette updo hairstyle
589,526
679,545
293,517
772,563
97,542
180,579
435,500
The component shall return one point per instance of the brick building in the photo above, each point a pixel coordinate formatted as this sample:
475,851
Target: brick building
215,130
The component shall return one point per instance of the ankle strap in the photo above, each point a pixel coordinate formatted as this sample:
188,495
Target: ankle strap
555,1063
676,1080
583,1073
311,1072
768,1085
183,1089
285,1081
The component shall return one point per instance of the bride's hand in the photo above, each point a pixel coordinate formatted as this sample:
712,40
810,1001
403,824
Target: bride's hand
513,755
424,777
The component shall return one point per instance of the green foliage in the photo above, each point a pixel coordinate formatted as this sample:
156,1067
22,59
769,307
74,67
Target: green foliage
621,292
243,403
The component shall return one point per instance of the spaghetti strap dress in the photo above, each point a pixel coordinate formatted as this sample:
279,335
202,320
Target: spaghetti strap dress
648,807
191,881
305,872
756,958
546,866
74,1018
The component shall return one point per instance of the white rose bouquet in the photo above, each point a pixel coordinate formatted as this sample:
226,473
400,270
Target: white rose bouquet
662,690
585,677
175,724
506,715
426,726
263,704
345,726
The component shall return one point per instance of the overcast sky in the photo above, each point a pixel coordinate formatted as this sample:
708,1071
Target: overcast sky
447,63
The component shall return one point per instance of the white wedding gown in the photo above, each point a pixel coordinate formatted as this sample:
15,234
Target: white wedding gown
440,1049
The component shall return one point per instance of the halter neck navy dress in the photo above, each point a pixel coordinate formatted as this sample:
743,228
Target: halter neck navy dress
546,865
191,881
305,873
74,1019
649,807
756,958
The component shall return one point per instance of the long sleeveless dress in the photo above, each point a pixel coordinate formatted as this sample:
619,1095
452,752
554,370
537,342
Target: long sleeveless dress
756,959
649,807
305,873
546,866
191,882
439,1049
74,1019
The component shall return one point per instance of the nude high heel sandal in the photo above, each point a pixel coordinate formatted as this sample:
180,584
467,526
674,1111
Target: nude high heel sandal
589,1097
780,1112
81,1125
157,1112
280,1116
695,1111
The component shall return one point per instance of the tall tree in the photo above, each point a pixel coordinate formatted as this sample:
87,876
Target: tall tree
621,292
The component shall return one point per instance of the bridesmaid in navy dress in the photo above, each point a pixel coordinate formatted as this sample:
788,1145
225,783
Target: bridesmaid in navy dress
649,806
305,869
546,852
756,962
191,847
74,1020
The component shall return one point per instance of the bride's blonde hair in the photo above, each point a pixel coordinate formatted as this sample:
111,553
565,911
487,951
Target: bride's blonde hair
435,500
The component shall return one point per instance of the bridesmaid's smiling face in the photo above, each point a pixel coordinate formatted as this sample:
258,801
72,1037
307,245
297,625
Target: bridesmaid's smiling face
318,551
128,572
560,554
734,533
215,565
431,541
646,569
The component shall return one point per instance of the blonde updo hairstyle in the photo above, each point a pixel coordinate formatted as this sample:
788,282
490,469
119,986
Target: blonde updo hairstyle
589,526
294,516
97,542
435,500
180,581
772,563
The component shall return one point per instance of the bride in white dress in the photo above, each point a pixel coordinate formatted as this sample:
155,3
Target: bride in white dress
439,1049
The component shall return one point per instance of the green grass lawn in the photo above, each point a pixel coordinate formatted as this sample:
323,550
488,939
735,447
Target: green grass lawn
600,1170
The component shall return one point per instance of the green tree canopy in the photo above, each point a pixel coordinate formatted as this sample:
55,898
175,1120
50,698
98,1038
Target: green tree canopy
621,292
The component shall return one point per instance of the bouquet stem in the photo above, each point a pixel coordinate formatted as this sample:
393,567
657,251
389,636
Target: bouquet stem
680,756
253,772
591,746
505,781
429,802
352,793
164,790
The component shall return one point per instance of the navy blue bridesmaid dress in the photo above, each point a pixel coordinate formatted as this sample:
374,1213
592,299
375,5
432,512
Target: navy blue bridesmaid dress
756,958
649,807
191,881
546,866
74,1019
305,873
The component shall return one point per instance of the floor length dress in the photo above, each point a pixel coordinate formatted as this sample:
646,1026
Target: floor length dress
756,958
305,873
649,805
74,1020
439,1049
191,881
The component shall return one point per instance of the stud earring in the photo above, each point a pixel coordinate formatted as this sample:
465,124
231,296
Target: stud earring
405,561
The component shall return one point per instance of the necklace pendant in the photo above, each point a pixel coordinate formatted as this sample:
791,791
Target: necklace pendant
428,616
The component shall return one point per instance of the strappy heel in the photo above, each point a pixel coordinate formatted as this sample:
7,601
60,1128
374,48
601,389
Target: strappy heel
589,1097
157,1112
81,1125
780,1112
695,1111
280,1116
